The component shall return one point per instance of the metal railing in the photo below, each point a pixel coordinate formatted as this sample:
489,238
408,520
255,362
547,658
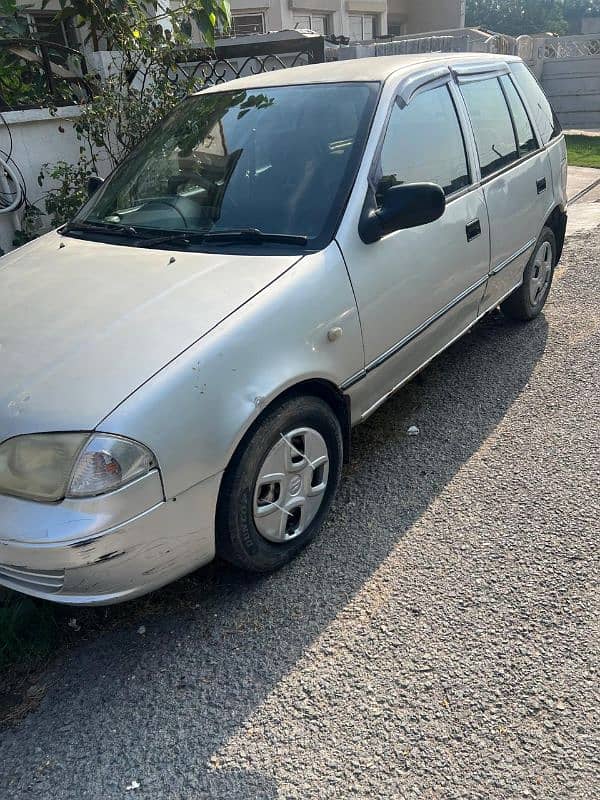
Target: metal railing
464,40
429,44
38,74
572,46
236,58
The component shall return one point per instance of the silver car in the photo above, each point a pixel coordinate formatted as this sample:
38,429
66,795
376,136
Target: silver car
183,362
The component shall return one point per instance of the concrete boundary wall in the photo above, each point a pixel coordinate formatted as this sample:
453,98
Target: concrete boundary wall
573,87
569,70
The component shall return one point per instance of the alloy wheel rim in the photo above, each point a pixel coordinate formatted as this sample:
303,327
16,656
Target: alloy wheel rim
291,485
542,270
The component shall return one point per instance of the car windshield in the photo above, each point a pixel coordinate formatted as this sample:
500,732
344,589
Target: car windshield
279,161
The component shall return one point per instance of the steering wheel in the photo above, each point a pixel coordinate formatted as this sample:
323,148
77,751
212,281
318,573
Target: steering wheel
164,202
203,181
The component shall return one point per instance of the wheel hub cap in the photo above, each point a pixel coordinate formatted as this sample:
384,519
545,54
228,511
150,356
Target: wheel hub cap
291,485
542,270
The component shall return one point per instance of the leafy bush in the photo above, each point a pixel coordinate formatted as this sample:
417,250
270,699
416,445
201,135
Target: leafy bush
64,202
145,82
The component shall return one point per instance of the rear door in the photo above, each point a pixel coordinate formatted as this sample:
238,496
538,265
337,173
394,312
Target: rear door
516,177
547,126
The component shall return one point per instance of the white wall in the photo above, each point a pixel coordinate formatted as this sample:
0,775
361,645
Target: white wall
573,88
590,25
37,138
568,68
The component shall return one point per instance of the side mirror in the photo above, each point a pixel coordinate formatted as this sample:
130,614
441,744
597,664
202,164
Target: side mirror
403,206
93,184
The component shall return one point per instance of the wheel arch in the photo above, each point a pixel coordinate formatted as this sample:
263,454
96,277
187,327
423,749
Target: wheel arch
557,222
316,387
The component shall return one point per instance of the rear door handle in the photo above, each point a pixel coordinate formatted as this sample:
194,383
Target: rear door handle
473,230
541,185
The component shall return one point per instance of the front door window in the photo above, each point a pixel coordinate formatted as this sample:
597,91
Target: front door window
424,143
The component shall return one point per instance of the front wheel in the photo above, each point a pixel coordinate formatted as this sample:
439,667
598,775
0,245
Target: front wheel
529,299
279,487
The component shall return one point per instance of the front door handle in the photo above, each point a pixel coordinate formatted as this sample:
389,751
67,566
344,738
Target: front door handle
473,230
541,185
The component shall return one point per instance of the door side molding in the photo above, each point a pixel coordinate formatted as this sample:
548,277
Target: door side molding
423,327
503,264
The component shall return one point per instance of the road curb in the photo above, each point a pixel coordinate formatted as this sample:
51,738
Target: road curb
583,192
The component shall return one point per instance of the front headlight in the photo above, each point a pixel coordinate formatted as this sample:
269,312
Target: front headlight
51,466
39,466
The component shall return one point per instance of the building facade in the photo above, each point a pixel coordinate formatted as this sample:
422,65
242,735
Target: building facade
359,20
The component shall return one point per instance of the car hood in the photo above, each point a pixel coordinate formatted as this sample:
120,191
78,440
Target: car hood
84,324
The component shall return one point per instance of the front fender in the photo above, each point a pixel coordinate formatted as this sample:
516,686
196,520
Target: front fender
195,411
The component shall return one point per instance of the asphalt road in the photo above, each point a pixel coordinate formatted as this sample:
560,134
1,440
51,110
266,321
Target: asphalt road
440,639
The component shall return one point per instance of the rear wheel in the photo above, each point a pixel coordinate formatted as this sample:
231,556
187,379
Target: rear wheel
530,298
279,488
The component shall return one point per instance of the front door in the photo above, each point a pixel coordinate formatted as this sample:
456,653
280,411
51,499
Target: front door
418,289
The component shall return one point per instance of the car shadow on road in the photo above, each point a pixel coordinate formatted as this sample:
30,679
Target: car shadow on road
217,643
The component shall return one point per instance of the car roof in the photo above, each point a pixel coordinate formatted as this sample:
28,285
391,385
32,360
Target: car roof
378,68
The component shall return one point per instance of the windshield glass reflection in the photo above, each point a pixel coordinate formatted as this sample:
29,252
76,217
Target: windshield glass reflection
280,160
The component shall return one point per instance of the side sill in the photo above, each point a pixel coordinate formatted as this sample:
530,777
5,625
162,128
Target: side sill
408,378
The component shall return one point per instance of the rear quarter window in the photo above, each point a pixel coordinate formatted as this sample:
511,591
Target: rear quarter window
539,105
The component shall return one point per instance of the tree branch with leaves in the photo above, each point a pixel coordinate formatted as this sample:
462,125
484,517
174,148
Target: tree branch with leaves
145,83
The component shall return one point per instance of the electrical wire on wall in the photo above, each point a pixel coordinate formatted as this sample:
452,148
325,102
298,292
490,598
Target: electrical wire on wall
10,200
13,193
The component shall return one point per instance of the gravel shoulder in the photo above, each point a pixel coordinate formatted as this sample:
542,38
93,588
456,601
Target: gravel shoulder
440,640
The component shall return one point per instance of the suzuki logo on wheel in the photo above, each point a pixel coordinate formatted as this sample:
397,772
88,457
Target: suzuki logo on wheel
295,485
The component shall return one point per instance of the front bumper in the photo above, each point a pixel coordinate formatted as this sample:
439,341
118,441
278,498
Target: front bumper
107,549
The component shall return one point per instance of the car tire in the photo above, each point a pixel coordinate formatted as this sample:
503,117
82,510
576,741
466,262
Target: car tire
530,298
279,487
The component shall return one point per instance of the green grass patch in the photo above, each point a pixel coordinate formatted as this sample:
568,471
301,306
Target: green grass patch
584,151
28,630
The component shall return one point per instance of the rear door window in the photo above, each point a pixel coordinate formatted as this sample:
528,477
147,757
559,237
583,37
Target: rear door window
539,105
525,135
424,143
492,125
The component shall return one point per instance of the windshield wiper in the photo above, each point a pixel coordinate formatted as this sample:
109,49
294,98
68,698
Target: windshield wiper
245,235
242,235
130,232
98,227
254,235
181,237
